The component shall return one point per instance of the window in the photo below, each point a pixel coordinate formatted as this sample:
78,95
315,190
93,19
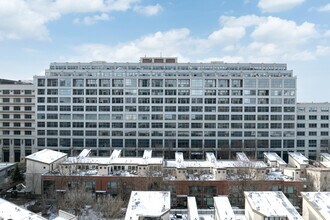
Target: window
117,82
312,143
301,117
312,125
313,117
300,143
324,117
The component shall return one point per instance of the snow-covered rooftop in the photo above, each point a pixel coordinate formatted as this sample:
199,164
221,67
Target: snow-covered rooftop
115,154
46,156
9,210
85,152
223,208
320,201
325,157
4,166
192,208
299,157
148,204
87,160
242,157
272,204
211,161
271,156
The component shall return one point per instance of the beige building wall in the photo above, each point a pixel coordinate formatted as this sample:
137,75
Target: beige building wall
318,179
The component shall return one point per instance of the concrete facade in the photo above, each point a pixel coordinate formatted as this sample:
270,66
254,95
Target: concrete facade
17,122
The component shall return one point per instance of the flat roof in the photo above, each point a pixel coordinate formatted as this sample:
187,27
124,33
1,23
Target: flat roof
299,157
192,208
319,201
272,204
325,164
223,208
148,204
4,166
9,210
46,156
211,161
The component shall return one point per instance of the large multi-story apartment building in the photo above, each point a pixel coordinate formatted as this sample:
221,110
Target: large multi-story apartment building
167,106
313,128
16,120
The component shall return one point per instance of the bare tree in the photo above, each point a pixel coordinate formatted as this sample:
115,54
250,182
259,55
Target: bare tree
75,200
242,180
108,207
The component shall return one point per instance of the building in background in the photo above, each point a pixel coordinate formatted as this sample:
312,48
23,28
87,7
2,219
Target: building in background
17,128
143,205
167,106
313,129
162,105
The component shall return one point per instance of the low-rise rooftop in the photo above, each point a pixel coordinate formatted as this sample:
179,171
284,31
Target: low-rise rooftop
46,156
151,204
9,210
223,208
299,157
271,156
271,204
4,166
325,157
320,201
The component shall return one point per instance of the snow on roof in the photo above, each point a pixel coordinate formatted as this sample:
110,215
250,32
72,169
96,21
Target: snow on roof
85,152
115,154
210,157
137,160
116,159
325,164
299,157
147,154
223,208
325,157
271,156
9,210
242,156
235,163
148,204
192,208
319,201
272,204
4,166
46,156
87,160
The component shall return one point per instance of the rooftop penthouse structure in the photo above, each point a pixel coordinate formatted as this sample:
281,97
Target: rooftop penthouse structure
167,106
